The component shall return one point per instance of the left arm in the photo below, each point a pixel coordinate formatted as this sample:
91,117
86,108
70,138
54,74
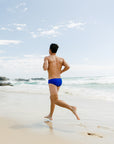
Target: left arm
66,66
45,64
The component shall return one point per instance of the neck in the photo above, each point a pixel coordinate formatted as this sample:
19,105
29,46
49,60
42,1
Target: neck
53,54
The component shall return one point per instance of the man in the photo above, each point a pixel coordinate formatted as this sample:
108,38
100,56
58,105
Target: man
53,65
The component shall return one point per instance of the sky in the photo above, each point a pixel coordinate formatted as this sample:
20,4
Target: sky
84,31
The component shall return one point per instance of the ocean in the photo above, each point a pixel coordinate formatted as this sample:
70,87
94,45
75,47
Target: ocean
97,87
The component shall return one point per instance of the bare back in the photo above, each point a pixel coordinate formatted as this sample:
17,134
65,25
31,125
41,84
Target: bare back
54,66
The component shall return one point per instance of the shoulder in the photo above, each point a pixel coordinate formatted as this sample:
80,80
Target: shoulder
61,59
46,57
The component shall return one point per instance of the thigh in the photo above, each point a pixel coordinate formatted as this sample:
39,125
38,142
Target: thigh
58,89
53,91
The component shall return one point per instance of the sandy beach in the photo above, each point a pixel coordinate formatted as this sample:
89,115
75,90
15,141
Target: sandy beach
23,107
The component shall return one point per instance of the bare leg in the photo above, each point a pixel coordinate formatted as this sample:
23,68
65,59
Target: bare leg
52,106
64,105
55,100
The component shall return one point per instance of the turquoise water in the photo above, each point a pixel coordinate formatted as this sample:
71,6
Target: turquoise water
100,82
97,87
76,81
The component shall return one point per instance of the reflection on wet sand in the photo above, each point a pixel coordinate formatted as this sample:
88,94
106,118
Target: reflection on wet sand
50,125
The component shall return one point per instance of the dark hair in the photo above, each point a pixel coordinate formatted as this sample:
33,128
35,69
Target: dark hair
54,48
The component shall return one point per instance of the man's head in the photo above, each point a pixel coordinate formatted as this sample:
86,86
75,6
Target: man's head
53,48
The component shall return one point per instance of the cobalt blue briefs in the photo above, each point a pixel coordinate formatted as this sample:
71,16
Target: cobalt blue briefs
55,81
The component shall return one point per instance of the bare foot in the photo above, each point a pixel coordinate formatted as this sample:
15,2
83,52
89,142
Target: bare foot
48,117
74,112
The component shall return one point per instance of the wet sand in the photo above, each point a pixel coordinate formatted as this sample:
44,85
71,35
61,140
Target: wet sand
8,135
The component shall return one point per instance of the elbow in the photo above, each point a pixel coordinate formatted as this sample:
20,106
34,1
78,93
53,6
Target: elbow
68,67
44,68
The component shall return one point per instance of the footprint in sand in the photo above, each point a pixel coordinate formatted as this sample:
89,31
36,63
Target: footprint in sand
94,134
105,128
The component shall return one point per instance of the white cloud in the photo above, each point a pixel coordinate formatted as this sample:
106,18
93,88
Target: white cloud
33,34
6,58
27,66
89,70
51,32
20,5
58,29
8,42
19,27
78,25
1,51
3,28
25,9
14,27
42,32
86,59
29,56
31,66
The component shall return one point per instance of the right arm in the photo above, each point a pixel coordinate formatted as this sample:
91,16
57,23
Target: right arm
66,66
45,64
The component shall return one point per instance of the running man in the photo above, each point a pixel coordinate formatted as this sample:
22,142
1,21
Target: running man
53,65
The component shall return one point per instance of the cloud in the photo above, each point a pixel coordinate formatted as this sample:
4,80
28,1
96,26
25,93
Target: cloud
51,31
21,7
33,34
86,59
13,27
31,66
3,28
26,66
42,32
1,51
56,30
8,42
78,25
25,9
19,27
90,70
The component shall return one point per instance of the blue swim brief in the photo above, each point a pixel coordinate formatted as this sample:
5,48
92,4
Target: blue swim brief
55,81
